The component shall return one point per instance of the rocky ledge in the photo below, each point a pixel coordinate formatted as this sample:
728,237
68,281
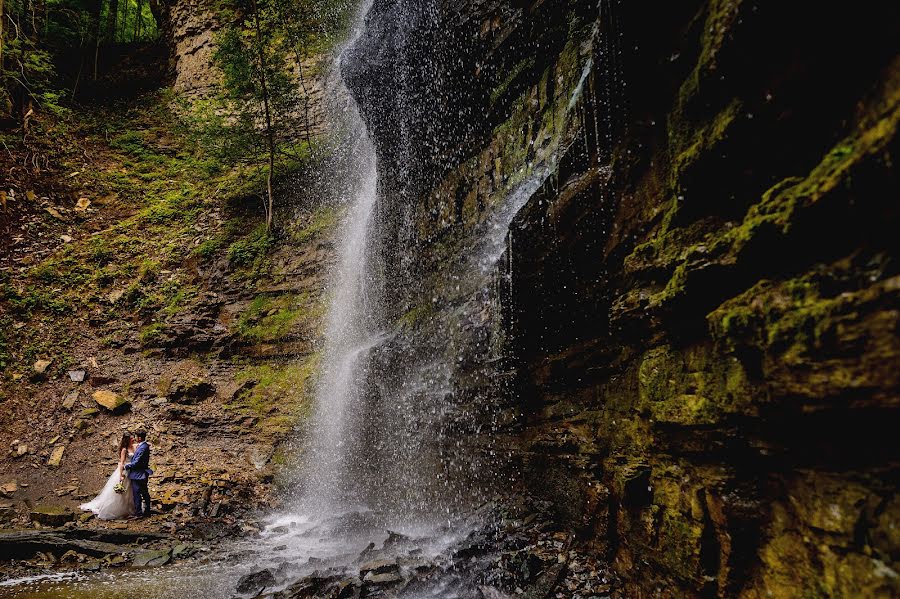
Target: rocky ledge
511,551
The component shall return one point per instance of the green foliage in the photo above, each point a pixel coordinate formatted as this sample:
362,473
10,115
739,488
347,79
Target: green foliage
35,299
210,248
36,34
251,249
262,107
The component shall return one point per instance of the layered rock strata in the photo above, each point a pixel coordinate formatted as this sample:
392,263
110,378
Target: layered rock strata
696,312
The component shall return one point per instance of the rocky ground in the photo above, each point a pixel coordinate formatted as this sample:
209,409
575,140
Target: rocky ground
138,291
514,550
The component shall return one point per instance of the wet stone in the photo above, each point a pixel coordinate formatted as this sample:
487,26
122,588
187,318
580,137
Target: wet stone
150,559
383,579
380,566
255,583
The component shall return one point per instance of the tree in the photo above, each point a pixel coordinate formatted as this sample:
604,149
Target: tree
258,90
35,33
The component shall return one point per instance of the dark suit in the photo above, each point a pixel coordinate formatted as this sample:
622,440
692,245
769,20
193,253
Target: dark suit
139,471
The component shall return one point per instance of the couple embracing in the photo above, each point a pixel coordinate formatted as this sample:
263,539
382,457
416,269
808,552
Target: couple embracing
125,493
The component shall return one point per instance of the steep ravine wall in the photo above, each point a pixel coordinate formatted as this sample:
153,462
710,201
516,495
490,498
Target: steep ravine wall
699,305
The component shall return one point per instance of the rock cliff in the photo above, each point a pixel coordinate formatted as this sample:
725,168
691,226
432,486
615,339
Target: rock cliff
693,331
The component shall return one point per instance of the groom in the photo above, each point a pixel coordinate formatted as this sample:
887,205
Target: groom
139,471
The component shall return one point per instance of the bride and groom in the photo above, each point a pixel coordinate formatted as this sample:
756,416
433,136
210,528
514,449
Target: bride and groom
125,493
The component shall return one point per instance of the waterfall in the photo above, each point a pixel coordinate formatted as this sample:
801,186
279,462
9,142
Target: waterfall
353,303
349,334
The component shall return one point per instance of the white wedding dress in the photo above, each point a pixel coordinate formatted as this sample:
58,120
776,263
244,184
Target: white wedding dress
109,505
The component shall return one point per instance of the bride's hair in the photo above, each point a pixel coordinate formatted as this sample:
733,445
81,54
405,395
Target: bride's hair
126,441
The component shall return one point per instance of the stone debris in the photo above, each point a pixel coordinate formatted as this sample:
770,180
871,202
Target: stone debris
512,552
56,456
41,366
111,401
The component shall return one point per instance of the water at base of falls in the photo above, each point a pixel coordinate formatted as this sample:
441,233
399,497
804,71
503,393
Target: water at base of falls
349,506
290,547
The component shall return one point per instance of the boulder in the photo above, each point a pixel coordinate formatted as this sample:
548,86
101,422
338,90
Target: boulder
150,559
183,551
387,578
51,515
111,401
255,583
379,566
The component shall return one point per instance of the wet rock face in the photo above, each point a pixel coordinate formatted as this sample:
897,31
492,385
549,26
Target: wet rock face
434,77
513,551
701,301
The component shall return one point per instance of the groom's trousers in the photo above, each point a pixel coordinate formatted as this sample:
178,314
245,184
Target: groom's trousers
141,495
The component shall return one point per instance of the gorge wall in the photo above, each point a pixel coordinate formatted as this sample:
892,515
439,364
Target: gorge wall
691,338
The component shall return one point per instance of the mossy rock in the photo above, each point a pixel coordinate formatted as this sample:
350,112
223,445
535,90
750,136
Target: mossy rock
51,515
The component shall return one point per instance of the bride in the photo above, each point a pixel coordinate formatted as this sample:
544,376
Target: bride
109,505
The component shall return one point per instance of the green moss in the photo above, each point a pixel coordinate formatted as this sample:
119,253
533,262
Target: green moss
674,287
151,334
498,92
689,148
252,249
783,205
719,21
278,391
692,386
416,315
36,299
270,319
210,248
131,142
321,222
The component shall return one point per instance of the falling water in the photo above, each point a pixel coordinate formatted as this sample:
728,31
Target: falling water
389,432
350,334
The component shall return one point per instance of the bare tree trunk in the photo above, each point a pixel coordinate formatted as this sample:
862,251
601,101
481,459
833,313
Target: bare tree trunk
112,20
96,8
1,35
295,44
270,134
137,20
